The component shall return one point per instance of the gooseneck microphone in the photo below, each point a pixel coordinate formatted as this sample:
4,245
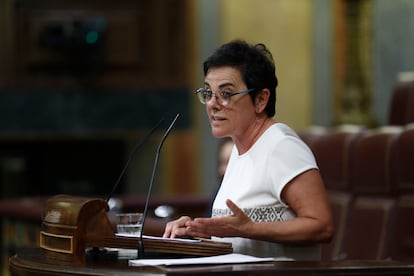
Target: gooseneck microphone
131,155
141,252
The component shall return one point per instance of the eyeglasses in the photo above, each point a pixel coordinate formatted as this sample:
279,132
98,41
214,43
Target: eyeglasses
222,97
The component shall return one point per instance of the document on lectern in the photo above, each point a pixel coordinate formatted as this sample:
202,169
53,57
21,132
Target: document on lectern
232,258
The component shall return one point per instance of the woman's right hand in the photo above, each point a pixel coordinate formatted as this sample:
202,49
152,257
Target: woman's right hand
176,228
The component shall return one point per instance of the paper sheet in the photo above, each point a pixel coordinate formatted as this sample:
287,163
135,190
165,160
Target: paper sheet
221,259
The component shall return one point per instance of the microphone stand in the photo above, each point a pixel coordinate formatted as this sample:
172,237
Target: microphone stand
141,251
131,155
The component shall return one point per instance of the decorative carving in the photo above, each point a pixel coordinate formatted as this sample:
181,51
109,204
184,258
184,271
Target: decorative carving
355,88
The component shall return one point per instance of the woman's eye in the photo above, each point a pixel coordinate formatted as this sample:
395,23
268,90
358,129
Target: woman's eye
207,93
226,94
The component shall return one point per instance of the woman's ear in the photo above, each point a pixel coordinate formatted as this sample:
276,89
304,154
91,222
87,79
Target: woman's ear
261,100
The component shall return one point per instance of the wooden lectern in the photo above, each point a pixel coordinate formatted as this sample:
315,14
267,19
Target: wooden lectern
71,225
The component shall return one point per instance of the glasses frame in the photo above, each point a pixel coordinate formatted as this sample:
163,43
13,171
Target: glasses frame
222,99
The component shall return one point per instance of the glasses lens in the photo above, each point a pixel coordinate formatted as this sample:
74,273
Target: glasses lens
205,96
201,94
225,97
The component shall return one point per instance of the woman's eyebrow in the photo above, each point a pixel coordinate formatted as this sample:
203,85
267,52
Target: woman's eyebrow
221,86
227,84
224,85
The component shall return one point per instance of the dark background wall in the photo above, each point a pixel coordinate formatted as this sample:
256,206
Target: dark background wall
80,83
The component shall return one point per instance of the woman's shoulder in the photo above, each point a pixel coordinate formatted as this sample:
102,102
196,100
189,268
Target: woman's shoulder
276,135
282,130
281,137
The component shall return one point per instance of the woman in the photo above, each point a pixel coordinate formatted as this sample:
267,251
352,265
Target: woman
272,201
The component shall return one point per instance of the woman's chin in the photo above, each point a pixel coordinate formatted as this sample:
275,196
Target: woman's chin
218,134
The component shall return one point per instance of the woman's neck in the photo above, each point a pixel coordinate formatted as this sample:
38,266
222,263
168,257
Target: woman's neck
245,141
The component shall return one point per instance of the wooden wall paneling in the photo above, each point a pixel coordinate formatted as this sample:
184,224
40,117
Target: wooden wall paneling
144,43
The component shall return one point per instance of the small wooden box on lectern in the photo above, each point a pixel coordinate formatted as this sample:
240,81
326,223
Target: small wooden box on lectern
72,224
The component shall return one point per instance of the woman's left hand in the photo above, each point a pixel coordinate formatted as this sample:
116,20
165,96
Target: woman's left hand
236,225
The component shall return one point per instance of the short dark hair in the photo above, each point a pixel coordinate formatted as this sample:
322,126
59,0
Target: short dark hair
256,66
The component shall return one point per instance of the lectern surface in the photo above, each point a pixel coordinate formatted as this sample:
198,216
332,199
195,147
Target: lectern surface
33,262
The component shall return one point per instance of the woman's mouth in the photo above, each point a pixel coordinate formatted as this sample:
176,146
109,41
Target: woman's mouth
216,118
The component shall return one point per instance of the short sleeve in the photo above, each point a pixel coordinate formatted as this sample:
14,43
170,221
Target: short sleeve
290,157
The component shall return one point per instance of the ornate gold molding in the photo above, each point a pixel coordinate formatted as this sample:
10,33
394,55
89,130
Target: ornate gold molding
353,62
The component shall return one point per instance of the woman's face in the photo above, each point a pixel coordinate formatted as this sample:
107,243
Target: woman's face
234,118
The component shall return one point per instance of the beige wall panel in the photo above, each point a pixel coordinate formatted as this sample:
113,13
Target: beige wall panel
285,27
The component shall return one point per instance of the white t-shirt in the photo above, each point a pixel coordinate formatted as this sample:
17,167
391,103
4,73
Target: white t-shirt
254,181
